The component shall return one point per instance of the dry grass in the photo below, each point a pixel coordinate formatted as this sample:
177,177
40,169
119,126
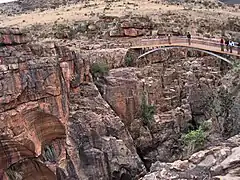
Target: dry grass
92,9
89,11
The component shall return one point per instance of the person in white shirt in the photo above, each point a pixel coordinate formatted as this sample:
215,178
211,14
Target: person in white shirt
231,45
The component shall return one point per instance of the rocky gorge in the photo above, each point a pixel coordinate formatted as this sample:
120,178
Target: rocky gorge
79,102
74,124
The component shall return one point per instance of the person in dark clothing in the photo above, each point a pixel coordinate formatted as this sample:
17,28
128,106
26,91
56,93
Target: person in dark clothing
227,44
169,38
222,44
238,47
189,38
231,46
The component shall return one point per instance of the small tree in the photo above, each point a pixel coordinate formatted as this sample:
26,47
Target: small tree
236,66
194,139
128,61
99,69
147,111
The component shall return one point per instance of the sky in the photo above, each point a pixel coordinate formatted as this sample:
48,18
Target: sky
3,1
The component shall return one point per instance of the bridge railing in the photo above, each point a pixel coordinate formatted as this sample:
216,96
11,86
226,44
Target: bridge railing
181,40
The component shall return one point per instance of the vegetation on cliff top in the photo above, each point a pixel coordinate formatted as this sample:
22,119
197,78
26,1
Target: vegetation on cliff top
147,111
99,69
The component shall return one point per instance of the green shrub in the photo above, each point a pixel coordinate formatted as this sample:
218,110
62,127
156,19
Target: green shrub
236,66
147,111
194,139
99,69
205,126
128,61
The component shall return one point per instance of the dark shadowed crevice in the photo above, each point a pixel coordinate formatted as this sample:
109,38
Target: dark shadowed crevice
72,175
30,169
147,162
60,174
108,165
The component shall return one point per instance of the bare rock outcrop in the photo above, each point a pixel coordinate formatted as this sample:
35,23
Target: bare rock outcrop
99,145
182,90
33,105
218,162
37,82
227,104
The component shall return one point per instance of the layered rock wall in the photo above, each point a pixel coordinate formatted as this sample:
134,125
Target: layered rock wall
99,145
180,83
39,83
52,114
35,81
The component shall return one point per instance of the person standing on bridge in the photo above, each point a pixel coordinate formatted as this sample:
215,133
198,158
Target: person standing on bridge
238,47
231,45
222,44
189,38
169,38
227,44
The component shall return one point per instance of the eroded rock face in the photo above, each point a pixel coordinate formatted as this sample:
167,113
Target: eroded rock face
182,91
227,105
114,58
218,162
99,145
104,137
36,81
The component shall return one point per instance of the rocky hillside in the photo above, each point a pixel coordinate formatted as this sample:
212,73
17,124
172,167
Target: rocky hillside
207,164
22,6
231,1
101,20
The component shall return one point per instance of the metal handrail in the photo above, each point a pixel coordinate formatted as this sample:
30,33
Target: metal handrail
182,39
197,38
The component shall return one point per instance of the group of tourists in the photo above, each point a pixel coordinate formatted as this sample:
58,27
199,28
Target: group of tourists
229,45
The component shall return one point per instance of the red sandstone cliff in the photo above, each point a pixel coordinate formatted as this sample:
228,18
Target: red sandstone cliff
39,82
53,117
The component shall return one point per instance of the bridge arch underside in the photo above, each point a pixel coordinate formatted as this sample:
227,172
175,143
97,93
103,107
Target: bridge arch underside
145,56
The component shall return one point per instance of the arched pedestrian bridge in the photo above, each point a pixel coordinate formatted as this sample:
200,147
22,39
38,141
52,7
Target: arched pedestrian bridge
204,45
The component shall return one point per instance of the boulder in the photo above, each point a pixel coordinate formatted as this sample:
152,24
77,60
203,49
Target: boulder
132,32
217,162
116,32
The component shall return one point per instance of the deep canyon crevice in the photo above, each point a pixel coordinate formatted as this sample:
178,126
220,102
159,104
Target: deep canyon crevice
78,131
